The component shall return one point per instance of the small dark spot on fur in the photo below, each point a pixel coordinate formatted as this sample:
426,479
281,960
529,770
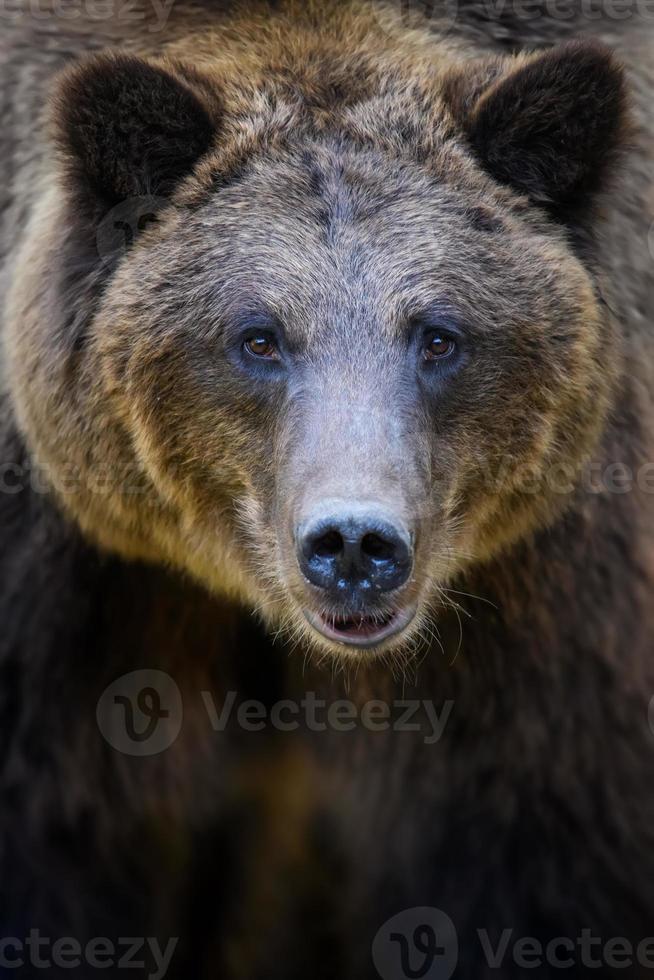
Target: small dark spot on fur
315,175
482,219
317,187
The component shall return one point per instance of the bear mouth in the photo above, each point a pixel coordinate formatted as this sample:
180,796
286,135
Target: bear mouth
359,630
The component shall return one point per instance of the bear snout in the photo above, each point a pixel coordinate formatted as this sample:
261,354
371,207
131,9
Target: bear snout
354,553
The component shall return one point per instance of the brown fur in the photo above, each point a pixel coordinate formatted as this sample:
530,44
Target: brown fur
368,194
360,165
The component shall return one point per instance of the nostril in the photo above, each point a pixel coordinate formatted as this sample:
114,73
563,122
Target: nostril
329,545
374,546
355,553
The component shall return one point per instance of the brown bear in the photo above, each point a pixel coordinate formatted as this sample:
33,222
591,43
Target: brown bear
334,313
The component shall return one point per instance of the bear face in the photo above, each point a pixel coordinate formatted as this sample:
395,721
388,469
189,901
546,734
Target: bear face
318,377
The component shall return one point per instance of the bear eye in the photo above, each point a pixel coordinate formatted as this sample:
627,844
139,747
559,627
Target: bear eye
262,346
438,346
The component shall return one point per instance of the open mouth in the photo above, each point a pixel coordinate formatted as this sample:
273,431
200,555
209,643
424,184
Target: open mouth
360,630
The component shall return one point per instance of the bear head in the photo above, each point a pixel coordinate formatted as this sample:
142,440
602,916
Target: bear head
309,310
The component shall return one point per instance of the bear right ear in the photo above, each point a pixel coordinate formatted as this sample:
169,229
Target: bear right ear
548,125
127,128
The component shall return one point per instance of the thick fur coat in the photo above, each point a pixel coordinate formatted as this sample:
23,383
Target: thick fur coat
282,854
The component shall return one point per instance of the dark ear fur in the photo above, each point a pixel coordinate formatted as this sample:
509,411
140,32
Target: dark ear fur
128,128
550,128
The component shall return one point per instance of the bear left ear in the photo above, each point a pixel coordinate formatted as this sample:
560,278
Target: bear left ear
128,128
551,126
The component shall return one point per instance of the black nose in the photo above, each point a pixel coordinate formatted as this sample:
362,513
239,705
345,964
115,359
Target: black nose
355,556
